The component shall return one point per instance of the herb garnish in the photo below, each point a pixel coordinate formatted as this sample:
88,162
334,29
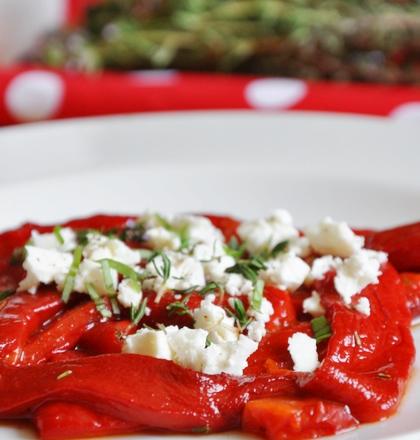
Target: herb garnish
248,268
279,248
164,271
18,256
122,269
57,233
6,293
137,313
179,307
239,314
234,249
98,300
133,233
71,276
108,281
321,328
257,295
64,374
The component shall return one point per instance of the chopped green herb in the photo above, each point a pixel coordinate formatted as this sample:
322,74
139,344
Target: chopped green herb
98,300
209,288
82,236
18,256
115,306
179,307
133,233
279,248
184,238
64,374
234,249
146,254
163,222
321,328
248,268
240,314
58,235
71,276
124,270
6,293
108,281
164,271
137,313
257,295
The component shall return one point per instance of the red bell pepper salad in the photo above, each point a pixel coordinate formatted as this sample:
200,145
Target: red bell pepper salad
65,363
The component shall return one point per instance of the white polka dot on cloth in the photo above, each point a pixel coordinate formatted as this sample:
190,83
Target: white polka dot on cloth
275,93
34,95
409,111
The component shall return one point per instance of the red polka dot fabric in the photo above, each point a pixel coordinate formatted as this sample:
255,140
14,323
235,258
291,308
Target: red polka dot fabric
33,94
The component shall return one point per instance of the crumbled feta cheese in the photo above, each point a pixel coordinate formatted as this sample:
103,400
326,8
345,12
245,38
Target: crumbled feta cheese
313,306
185,272
228,357
212,318
264,234
363,306
100,247
357,272
128,295
187,347
334,238
199,229
44,266
287,272
320,266
162,238
49,241
256,329
299,246
148,342
208,251
302,349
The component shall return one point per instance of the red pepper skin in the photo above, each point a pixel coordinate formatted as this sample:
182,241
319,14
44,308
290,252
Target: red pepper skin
21,316
138,389
368,371
62,420
227,225
402,245
106,337
411,283
284,311
288,419
61,335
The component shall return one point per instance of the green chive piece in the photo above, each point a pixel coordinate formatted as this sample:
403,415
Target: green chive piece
321,328
124,270
146,254
115,306
164,271
64,374
108,281
137,313
279,248
71,276
98,300
257,295
6,293
179,307
58,235
248,268
239,314
234,249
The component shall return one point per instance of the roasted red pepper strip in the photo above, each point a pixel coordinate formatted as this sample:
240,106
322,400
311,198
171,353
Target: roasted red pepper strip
139,389
402,245
61,335
368,359
21,316
288,419
227,225
60,421
411,282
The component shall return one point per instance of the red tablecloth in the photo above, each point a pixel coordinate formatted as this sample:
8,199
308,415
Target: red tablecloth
28,94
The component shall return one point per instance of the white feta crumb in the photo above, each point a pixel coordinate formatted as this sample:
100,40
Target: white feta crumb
256,329
363,306
320,266
212,318
185,272
329,237
100,247
264,234
162,238
90,272
286,272
313,306
357,272
299,246
148,342
199,229
50,241
208,251
44,266
128,295
302,349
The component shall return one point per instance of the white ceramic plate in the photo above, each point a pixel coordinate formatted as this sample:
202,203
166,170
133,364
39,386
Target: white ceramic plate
363,170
